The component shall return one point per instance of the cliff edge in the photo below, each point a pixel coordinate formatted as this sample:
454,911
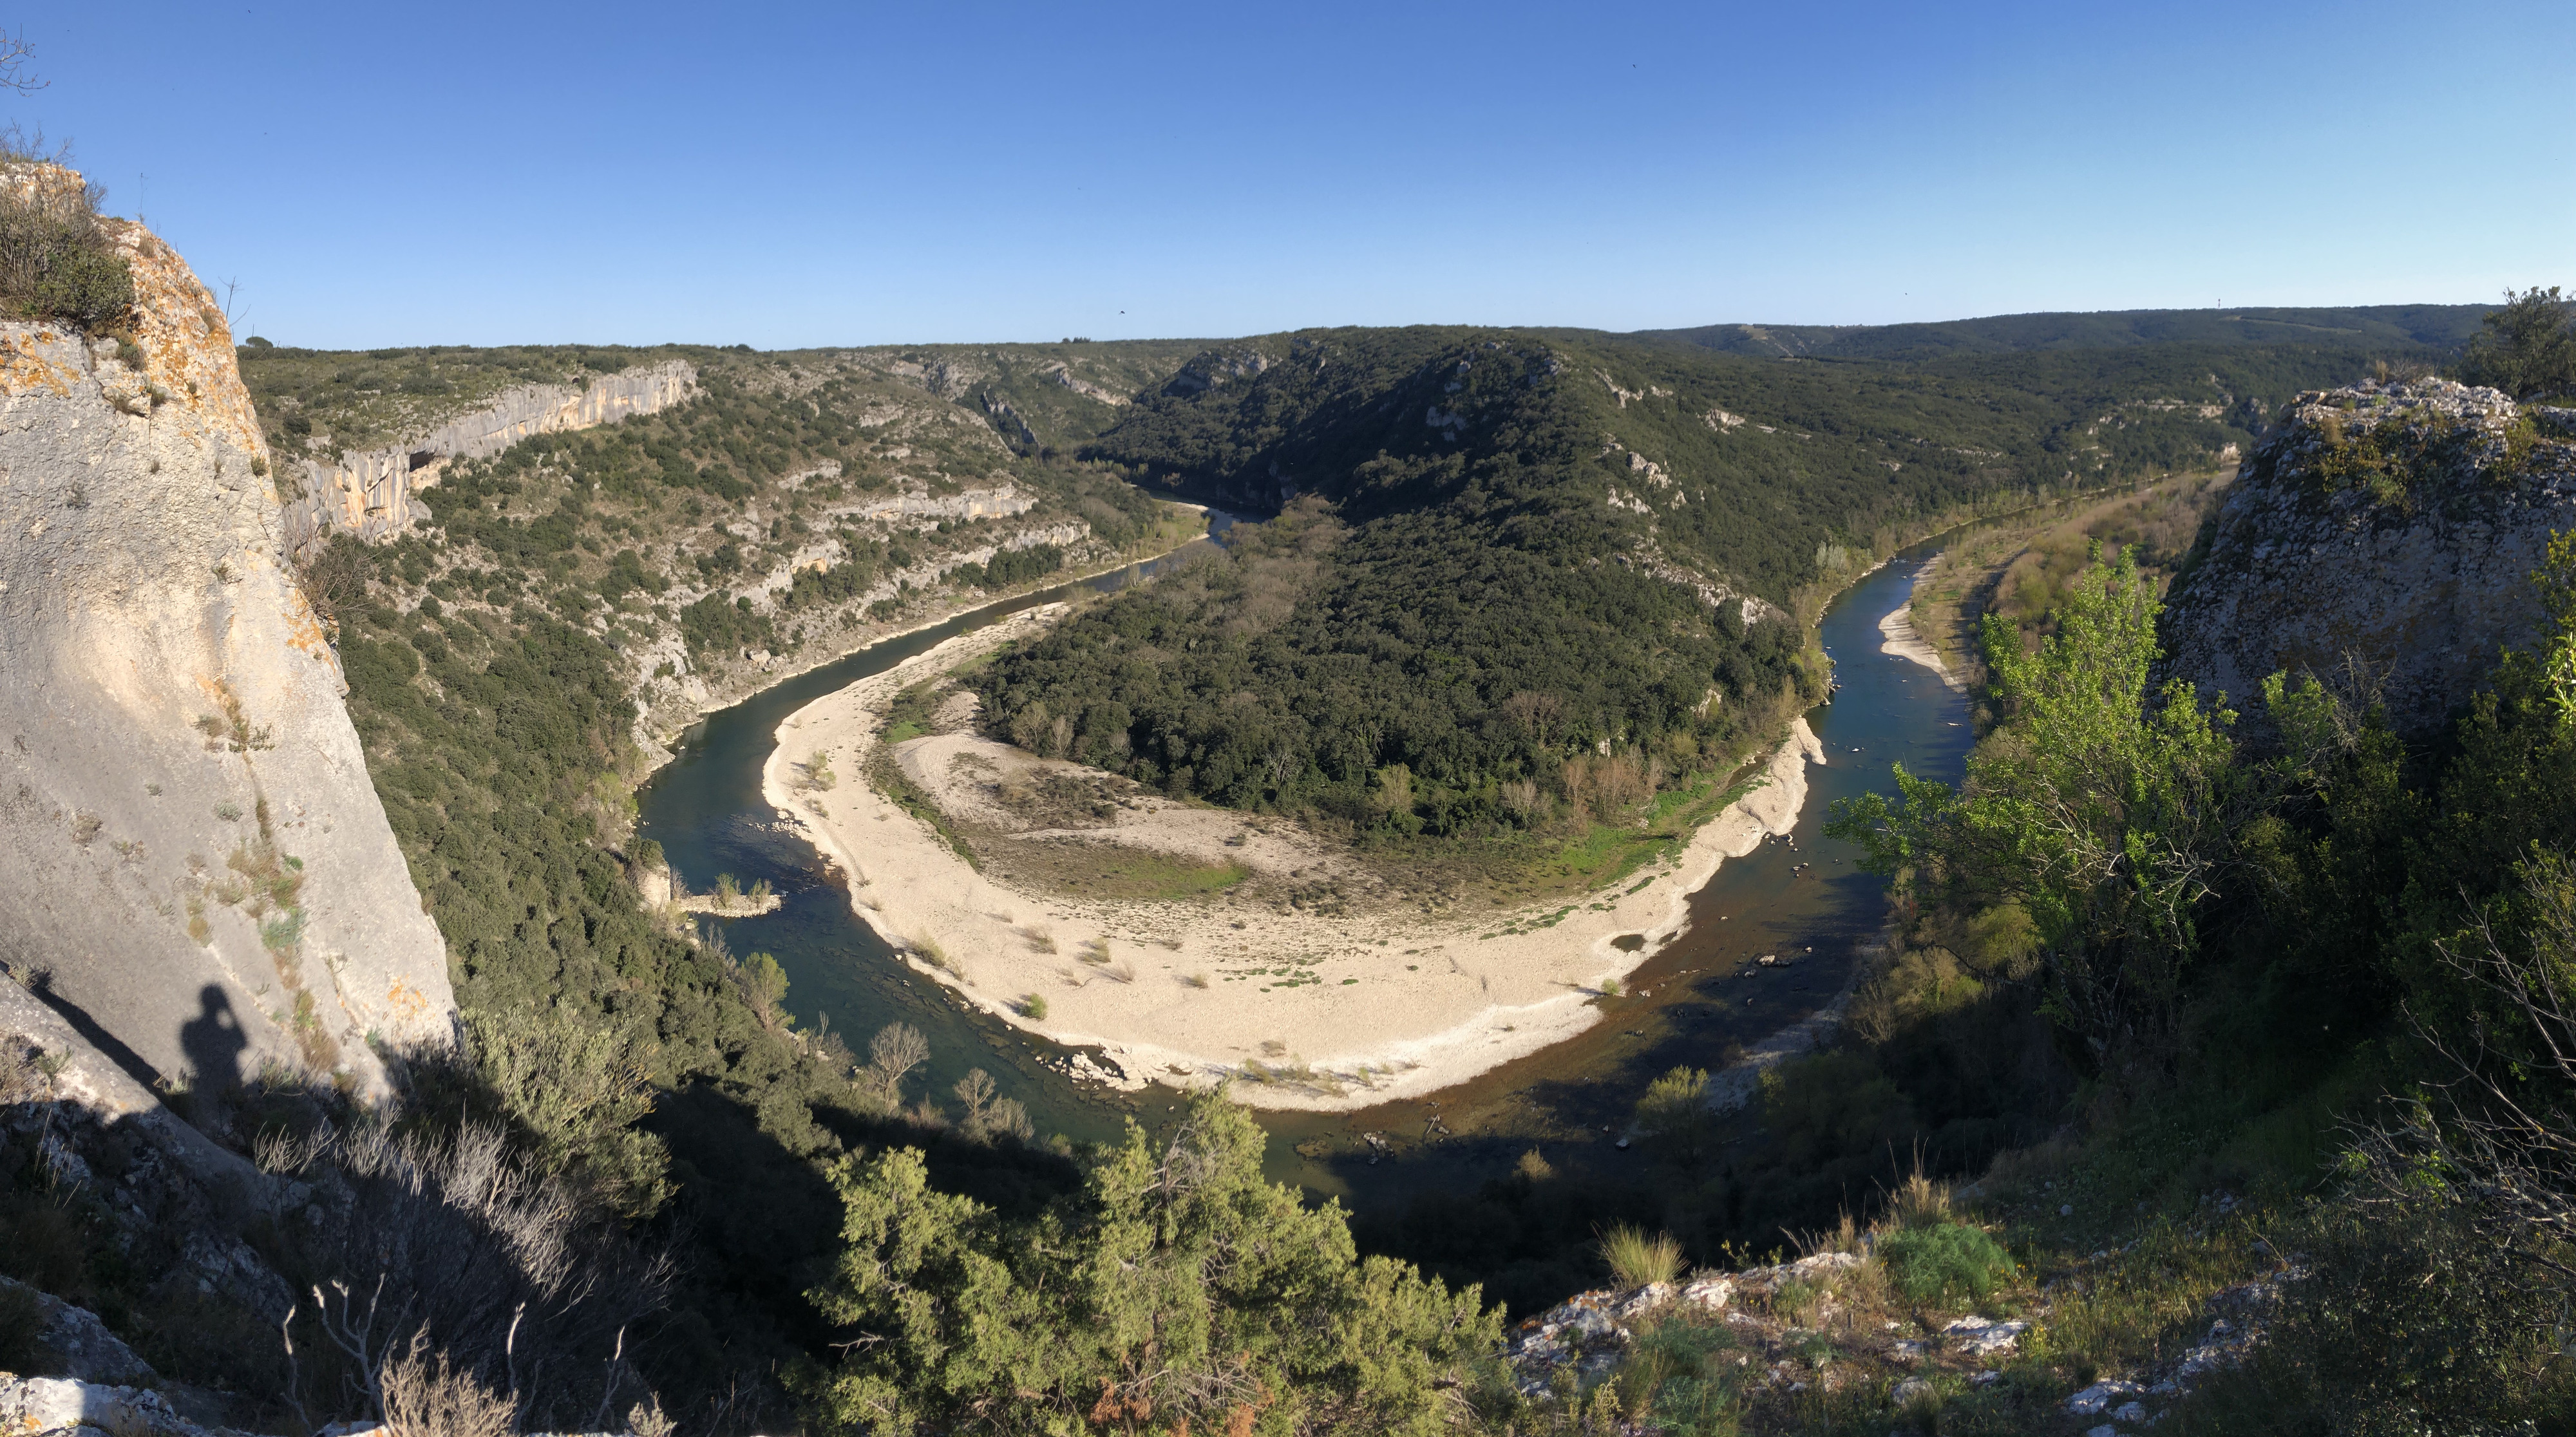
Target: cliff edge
194,868
2389,526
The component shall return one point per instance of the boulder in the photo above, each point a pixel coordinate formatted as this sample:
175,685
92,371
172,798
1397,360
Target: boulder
2389,528
81,1345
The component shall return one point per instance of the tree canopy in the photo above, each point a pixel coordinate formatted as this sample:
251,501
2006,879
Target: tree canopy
1177,1288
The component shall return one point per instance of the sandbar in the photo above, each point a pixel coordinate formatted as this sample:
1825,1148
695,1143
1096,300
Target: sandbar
1901,639
1329,1008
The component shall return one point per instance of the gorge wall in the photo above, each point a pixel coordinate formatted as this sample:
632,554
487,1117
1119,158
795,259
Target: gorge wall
370,494
195,872
2386,529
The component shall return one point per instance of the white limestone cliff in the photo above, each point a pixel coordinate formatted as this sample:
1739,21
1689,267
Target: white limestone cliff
371,494
195,871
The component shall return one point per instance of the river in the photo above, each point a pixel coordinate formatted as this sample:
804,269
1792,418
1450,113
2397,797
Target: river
1689,1003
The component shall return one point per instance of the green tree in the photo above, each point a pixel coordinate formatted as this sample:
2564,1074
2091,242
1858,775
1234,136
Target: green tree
2106,817
764,983
1674,1113
2528,348
1177,1287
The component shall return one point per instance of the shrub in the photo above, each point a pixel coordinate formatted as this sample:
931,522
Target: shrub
1177,1236
1639,1260
424,1394
1674,1111
1948,1260
1033,1005
1678,1372
22,1322
55,262
2528,347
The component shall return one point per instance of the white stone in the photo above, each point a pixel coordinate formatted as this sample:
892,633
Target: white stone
2099,1398
1977,1336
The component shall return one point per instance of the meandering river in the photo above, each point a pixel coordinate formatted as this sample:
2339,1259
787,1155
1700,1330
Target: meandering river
1800,900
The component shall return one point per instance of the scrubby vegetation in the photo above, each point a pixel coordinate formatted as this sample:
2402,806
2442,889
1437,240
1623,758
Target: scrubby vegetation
1177,1288
2527,348
496,716
1508,560
2218,939
1450,632
55,261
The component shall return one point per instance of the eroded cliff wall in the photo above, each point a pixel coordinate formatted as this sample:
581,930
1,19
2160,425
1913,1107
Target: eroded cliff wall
194,867
2385,529
370,494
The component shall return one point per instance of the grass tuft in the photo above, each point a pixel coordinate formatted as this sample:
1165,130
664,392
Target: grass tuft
1638,1259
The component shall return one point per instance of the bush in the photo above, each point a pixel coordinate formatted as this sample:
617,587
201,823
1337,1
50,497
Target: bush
2528,348
55,262
22,1323
1674,1113
1950,1260
1255,1306
1033,1005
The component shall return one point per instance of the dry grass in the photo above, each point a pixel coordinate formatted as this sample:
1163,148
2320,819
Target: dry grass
1918,1201
1638,1259
425,1397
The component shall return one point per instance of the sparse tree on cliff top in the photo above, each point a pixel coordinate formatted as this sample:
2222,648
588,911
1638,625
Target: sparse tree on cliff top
2528,348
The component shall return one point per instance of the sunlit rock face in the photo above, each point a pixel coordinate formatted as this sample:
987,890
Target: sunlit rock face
372,494
194,867
2383,535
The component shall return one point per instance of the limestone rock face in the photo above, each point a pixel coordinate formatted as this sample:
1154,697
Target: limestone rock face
371,494
2394,526
194,867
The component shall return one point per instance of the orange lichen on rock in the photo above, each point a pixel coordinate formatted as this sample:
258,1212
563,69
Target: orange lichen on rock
187,346
407,1003
25,368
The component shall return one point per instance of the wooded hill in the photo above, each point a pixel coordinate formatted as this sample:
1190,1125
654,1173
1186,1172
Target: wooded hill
1432,572
2439,326
1512,548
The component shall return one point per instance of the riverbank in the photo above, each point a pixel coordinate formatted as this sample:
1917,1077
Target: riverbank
659,727
1899,638
1331,1009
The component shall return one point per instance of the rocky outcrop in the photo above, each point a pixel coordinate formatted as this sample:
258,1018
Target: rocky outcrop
371,494
40,1405
195,873
78,1344
2390,529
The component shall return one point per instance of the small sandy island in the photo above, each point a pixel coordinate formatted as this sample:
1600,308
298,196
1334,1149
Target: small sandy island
1177,977
1901,640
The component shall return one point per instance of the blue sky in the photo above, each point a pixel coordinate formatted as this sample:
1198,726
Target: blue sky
784,175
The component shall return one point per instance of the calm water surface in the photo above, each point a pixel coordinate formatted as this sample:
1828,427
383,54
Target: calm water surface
706,810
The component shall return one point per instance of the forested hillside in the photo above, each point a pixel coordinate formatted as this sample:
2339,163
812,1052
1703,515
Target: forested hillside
1509,549
2441,327
497,663
1497,554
